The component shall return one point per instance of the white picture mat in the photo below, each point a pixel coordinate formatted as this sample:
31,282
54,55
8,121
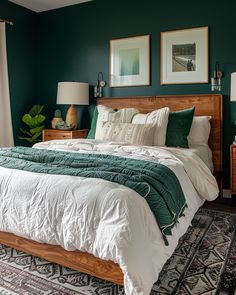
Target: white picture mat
143,78
199,36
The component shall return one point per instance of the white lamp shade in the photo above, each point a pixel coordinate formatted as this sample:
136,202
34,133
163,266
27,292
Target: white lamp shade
233,87
75,93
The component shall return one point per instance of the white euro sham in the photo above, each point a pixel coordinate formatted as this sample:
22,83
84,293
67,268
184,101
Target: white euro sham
200,131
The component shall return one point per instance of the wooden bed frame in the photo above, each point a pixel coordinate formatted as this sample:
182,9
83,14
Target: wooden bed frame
207,105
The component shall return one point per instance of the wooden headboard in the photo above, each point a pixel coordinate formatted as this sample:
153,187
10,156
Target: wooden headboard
205,105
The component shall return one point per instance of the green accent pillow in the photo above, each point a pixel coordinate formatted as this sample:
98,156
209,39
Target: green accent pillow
92,131
178,128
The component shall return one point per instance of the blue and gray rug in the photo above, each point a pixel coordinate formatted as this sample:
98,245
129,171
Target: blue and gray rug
203,263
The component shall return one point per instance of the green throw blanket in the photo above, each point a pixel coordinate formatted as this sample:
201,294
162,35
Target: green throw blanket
155,182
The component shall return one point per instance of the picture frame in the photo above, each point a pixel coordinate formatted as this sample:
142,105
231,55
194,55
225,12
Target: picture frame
130,61
184,56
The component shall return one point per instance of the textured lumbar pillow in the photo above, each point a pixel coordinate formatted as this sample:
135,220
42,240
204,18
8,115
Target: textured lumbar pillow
106,114
126,132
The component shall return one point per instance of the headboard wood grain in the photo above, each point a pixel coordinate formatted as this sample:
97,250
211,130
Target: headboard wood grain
205,105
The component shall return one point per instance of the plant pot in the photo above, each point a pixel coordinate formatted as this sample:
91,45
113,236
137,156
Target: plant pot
55,121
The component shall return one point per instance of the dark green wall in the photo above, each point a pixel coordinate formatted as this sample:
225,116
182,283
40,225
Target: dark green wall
74,45
21,51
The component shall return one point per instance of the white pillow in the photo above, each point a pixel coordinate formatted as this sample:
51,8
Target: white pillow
126,132
159,118
200,131
106,114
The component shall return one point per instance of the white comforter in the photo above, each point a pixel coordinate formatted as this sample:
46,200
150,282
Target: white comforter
103,218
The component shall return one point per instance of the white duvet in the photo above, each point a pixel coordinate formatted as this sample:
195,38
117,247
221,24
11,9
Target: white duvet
106,219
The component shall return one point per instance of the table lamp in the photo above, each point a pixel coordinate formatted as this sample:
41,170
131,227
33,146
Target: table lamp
74,93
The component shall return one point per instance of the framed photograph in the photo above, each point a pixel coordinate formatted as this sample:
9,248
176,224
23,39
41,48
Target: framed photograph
130,61
184,56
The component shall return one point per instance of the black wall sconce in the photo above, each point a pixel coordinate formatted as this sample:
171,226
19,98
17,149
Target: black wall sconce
98,89
216,79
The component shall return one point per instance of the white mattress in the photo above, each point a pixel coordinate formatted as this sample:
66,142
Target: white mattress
103,218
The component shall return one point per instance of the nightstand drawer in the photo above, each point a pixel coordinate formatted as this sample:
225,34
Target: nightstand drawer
233,185
233,169
59,135
233,163
50,134
234,152
81,133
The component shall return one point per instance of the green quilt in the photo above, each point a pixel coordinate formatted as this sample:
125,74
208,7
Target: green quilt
155,182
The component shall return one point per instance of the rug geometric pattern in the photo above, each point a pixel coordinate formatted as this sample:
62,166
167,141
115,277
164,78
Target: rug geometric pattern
203,263
205,260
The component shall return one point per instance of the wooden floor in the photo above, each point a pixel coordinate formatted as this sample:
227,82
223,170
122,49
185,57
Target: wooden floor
221,204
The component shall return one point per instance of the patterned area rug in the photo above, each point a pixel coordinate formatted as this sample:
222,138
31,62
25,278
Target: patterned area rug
203,263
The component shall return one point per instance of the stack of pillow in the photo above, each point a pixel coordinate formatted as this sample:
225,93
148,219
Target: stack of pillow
160,127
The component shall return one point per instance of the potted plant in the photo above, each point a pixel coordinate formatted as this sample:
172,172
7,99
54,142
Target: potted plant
34,120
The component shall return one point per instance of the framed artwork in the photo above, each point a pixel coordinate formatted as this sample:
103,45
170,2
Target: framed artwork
130,61
184,56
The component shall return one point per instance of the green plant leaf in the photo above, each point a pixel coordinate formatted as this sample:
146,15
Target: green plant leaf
36,135
38,119
26,138
37,129
36,110
27,119
33,122
31,139
25,132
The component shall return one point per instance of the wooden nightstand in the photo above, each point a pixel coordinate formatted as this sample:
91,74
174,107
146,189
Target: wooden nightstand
233,170
49,134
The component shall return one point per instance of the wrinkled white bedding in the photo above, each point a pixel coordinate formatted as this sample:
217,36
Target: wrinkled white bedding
202,151
100,217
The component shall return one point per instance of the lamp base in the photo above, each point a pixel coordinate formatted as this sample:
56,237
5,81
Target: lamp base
72,117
